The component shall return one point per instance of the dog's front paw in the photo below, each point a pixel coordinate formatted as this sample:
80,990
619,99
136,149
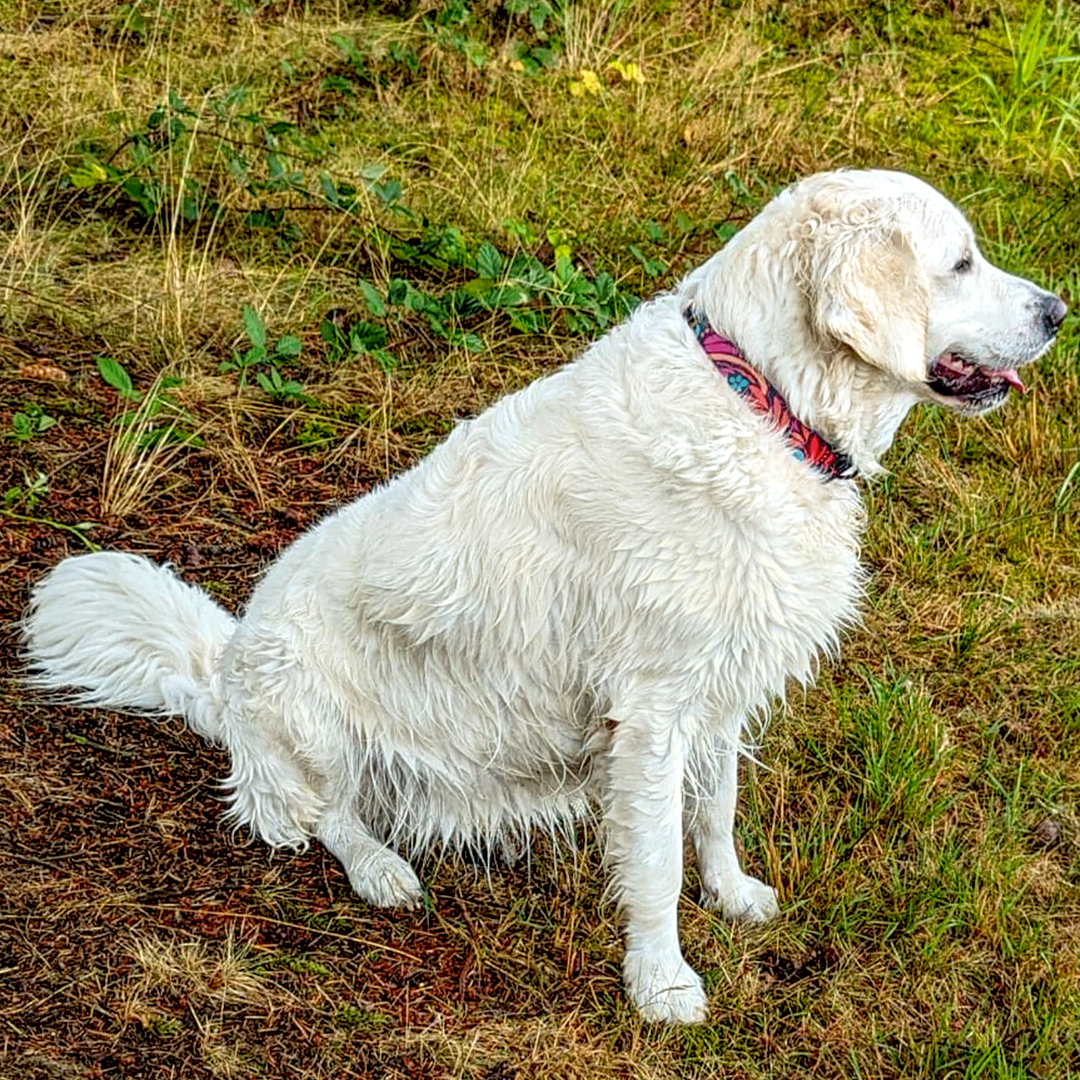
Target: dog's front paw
744,899
664,990
387,881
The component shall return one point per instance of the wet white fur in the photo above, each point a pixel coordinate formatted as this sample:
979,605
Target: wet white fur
581,596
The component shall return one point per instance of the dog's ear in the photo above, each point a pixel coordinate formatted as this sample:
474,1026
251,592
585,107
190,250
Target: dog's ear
867,290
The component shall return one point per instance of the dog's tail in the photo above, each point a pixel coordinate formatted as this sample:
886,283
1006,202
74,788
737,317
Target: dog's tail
127,634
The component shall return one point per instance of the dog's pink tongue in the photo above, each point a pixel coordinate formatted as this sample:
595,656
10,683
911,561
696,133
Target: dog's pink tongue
1012,378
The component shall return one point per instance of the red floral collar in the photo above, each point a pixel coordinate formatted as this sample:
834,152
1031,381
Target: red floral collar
805,443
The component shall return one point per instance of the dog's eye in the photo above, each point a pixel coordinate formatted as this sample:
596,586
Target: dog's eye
963,266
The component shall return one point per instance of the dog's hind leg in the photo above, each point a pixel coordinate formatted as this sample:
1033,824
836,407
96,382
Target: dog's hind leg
711,801
376,874
286,802
270,790
288,789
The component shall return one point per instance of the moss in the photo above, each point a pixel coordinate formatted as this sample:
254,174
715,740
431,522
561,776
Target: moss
164,1027
219,590
351,1018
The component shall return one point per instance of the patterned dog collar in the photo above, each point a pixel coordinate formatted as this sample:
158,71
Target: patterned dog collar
805,443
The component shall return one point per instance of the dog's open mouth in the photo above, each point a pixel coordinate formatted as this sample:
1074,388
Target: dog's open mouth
953,376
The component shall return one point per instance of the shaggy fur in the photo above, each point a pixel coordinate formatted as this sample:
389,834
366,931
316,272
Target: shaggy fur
582,596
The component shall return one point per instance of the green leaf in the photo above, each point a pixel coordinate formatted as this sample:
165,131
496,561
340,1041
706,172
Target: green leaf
366,337
372,298
113,372
388,192
22,427
683,222
526,322
472,342
427,305
329,190
338,83
90,173
334,336
490,294
489,261
387,361
256,328
288,346
652,267
564,266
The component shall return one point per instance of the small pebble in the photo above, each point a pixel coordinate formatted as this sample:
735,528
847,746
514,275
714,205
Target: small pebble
1048,832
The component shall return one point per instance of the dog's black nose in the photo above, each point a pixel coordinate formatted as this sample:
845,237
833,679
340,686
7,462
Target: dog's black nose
1054,314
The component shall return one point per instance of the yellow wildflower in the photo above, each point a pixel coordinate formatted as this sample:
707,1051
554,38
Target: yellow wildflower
629,72
589,83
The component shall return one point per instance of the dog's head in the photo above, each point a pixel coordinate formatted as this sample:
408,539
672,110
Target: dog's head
891,271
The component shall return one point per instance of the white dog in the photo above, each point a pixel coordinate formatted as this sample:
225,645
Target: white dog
582,595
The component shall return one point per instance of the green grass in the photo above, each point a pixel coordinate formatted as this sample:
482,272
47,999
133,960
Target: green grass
244,243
